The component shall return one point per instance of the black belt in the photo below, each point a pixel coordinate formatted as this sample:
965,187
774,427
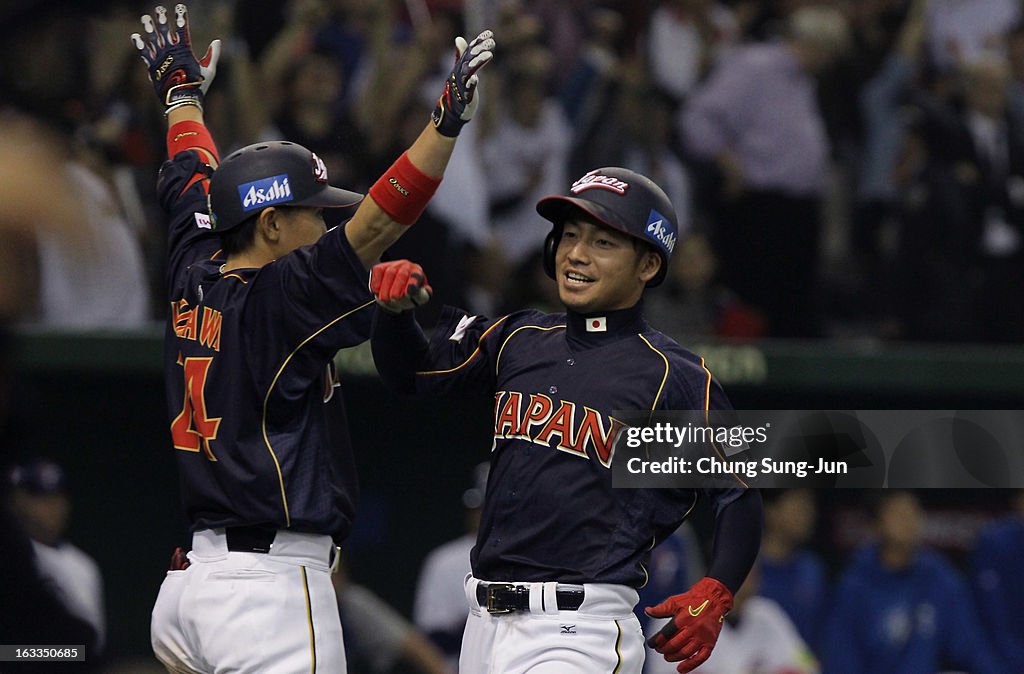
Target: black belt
259,539
508,597
250,539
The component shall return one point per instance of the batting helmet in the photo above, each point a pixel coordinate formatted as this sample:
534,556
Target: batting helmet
270,174
621,199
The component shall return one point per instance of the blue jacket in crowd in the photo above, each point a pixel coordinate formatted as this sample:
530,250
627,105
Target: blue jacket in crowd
997,572
913,621
799,585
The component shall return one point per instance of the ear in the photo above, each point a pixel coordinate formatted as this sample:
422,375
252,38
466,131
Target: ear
650,264
268,224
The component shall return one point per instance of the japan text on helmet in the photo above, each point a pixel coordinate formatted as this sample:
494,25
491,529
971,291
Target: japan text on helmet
620,199
275,173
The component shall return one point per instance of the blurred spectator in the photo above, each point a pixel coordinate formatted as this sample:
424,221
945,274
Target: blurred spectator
559,25
874,27
624,120
32,612
959,267
1015,56
525,156
276,32
685,38
882,103
791,575
378,637
25,165
756,118
902,609
440,608
313,115
758,638
42,504
590,93
692,304
95,279
765,20
963,30
996,565
646,141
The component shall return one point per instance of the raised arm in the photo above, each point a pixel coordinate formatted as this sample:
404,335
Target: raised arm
399,196
179,78
395,201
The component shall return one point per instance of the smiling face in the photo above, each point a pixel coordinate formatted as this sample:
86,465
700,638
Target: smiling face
598,268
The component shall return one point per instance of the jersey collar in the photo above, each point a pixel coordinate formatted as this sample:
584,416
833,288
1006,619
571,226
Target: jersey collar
597,328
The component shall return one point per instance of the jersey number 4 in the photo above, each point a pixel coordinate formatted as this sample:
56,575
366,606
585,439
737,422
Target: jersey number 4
193,429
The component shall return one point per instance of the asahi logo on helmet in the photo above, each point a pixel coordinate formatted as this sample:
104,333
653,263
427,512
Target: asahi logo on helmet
265,192
660,229
319,169
597,180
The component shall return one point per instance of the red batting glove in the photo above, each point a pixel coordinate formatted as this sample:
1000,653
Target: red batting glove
696,620
399,285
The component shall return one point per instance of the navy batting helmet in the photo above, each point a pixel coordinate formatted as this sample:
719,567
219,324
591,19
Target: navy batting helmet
275,173
621,199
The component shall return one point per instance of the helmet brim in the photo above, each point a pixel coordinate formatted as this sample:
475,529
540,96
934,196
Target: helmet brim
558,209
330,197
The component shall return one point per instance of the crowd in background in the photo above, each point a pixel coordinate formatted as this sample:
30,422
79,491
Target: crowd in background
840,168
852,171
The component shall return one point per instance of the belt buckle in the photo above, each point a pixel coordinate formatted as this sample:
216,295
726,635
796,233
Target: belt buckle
492,600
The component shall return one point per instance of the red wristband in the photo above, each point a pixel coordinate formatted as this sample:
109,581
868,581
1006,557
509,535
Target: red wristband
404,191
189,135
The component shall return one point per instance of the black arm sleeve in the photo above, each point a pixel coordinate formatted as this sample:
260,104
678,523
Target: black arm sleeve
737,539
399,347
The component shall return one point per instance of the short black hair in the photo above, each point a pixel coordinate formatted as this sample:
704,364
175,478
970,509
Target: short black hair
643,246
239,237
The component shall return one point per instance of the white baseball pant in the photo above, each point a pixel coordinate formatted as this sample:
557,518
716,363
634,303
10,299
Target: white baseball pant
250,612
602,636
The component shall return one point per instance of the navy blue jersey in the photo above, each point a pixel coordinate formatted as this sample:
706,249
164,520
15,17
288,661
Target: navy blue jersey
551,513
255,413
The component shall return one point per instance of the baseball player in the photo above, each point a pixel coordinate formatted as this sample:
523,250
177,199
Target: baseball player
560,553
261,298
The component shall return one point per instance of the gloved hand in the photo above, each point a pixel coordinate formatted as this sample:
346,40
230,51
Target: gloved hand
399,285
696,621
178,77
458,101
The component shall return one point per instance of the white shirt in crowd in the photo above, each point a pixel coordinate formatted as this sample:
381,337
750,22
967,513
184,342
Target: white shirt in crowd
77,580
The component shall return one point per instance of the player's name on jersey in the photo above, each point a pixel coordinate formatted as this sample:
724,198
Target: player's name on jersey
710,465
190,324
